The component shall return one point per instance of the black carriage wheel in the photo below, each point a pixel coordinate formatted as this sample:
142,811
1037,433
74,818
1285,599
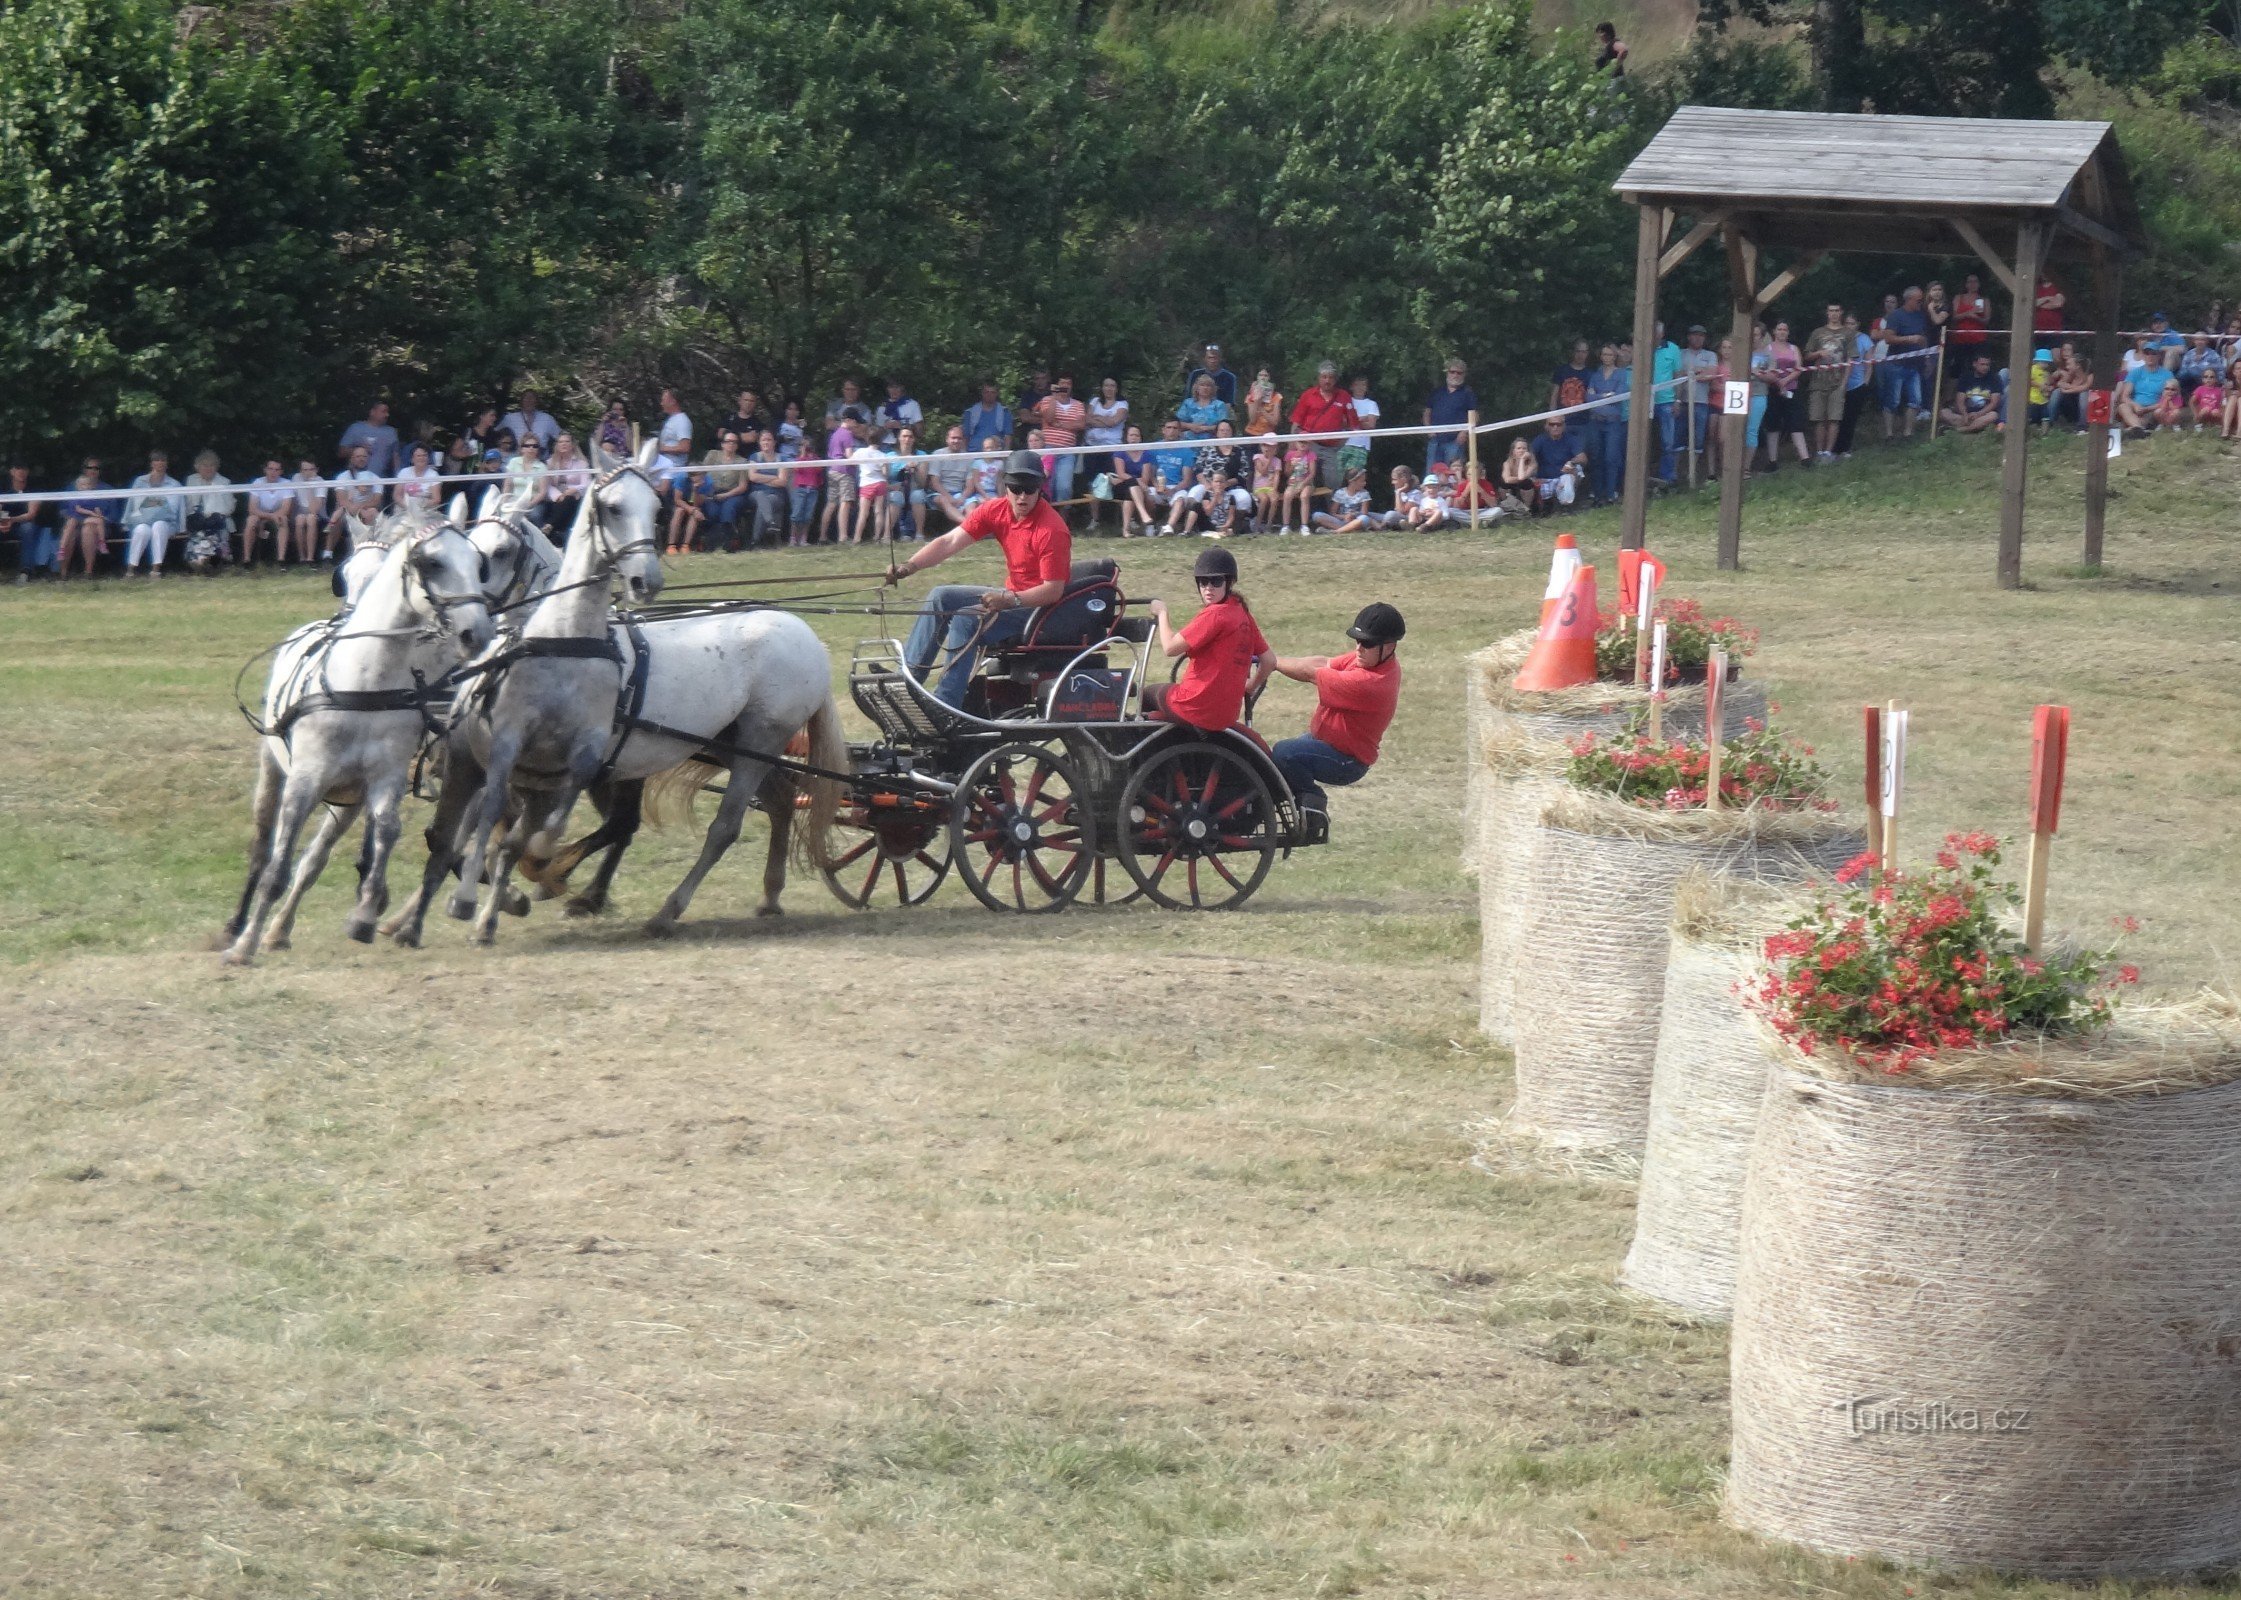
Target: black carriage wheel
1020,829
890,856
1197,828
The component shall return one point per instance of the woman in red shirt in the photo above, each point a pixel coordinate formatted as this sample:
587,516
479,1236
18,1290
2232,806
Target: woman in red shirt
1222,646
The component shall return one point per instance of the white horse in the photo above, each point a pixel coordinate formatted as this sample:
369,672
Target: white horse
344,710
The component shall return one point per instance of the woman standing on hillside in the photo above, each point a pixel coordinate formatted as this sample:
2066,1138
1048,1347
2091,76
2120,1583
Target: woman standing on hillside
1610,52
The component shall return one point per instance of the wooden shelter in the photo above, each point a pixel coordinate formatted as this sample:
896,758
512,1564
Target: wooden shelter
2024,197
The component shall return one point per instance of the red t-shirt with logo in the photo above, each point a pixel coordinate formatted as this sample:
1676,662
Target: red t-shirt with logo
1223,639
1317,412
1037,547
1354,705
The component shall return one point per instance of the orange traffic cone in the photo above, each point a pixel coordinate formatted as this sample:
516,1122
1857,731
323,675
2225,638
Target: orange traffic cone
1632,564
1564,654
1562,563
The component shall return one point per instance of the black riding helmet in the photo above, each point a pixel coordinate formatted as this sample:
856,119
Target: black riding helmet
1023,469
1215,563
1379,623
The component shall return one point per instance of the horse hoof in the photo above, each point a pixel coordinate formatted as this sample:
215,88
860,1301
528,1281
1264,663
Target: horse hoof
772,910
515,903
236,958
544,891
486,936
362,932
279,942
408,938
660,928
583,906
460,908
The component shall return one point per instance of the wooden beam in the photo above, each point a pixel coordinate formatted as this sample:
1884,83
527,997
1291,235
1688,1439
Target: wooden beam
1742,283
1641,414
2108,284
1705,228
2078,222
1781,284
2030,239
1990,257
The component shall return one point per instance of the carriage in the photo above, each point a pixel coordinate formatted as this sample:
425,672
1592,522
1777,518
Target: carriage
1049,784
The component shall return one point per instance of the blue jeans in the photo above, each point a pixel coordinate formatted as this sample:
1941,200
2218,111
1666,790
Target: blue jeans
1606,455
36,547
1062,477
1668,442
804,504
950,620
1308,763
1900,383
1441,447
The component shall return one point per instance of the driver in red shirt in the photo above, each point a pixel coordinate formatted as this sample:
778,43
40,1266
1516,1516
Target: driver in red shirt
1222,646
1038,557
1355,697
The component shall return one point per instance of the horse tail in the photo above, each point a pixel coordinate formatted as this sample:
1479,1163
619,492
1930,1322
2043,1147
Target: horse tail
670,794
827,749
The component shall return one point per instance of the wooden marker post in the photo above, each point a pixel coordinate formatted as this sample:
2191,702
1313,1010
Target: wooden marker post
635,441
2050,753
1657,683
1715,691
1871,718
1893,782
1471,450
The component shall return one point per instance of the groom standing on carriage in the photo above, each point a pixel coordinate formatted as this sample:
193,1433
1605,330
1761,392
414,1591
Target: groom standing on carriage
964,617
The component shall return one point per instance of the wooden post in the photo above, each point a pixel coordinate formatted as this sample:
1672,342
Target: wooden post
1937,384
1742,285
1470,450
2050,753
1649,240
1715,713
2108,280
1689,389
1871,718
2030,240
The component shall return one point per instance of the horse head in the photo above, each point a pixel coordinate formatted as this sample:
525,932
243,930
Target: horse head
623,513
445,582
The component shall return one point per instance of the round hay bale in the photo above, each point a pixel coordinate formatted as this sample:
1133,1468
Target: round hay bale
1991,1328
1705,1087
1492,701
1589,972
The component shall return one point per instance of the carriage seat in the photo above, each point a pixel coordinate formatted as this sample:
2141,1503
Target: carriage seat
1089,611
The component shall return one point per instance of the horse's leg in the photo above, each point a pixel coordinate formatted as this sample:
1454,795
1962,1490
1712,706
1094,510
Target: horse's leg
383,823
332,826
777,797
462,783
622,827
296,800
746,776
537,817
271,779
484,820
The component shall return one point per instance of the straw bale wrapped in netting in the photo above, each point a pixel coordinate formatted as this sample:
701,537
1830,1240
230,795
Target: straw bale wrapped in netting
1589,973
1997,1326
1491,700
1710,1073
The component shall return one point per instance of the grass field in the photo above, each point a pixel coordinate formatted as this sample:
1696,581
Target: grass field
935,1253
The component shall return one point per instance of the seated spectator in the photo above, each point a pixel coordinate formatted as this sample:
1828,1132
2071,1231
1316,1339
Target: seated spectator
2073,381
19,519
1203,411
311,501
1161,489
1519,470
420,483
769,485
1268,479
86,521
1219,506
151,515
1131,466
908,500
2208,402
949,477
688,512
567,481
524,482
2148,398
2165,341
208,520
1350,506
1300,461
530,420
2229,419
1408,499
724,492
614,430
2199,360
1559,462
376,437
1978,398
1435,502
272,505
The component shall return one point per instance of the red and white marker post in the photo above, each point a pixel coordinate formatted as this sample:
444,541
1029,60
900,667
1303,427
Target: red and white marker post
1645,585
1893,784
2050,754
1871,720
1657,683
1715,692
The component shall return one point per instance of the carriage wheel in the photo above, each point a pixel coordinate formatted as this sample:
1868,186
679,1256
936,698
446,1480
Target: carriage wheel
1198,829
895,856
1110,885
1021,831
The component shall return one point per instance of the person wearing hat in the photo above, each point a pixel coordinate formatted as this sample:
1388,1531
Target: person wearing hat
1221,648
1355,696
963,617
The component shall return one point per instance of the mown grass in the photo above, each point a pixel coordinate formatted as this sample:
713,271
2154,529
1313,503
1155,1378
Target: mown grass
1113,1254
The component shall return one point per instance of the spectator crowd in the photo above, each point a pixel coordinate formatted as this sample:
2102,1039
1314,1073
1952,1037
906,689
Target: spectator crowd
1232,456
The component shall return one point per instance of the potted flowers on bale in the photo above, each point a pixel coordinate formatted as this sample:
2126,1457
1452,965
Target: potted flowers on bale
1517,741
1984,1305
1586,945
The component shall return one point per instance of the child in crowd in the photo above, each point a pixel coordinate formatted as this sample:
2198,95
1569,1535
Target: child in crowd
2208,401
1433,501
1268,474
988,473
875,508
1299,487
840,481
1408,499
2230,418
1350,506
1221,504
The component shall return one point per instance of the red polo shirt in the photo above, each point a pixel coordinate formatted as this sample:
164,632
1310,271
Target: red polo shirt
1354,705
1223,639
1037,547
1317,413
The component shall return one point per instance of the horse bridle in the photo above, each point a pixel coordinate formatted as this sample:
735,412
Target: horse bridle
614,475
517,586
440,604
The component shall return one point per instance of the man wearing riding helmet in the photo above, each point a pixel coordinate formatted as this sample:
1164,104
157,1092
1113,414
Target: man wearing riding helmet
1355,696
962,617
1222,645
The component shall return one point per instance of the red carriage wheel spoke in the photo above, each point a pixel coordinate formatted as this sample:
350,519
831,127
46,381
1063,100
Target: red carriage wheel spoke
1160,871
926,861
1219,867
851,857
1006,787
995,860
1192,866
1237,841
1213,780
871,878
1153,802
1182,785
1019,887
1233,808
